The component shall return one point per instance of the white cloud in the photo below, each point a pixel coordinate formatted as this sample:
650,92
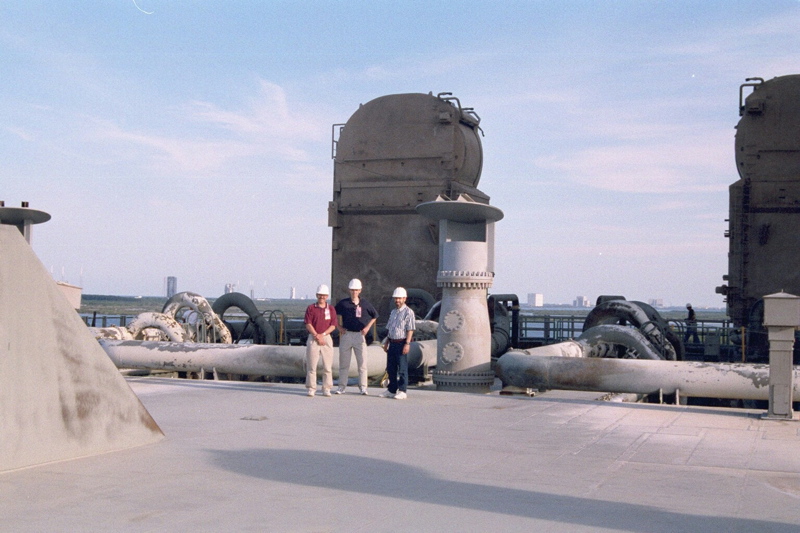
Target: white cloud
267,130
650,168
268,116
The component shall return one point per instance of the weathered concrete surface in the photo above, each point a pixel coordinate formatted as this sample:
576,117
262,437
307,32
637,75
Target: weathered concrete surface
265,457
60,395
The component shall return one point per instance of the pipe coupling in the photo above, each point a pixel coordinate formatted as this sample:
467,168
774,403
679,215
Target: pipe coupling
463,279
446,380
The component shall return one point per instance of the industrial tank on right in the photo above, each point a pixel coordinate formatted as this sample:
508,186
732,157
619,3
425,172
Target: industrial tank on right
764,216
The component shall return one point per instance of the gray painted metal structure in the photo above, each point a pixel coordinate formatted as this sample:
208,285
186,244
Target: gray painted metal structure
466,271
765,201
22,217
396,152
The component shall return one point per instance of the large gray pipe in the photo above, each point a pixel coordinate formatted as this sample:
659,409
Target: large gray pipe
707,380
599,341
252,359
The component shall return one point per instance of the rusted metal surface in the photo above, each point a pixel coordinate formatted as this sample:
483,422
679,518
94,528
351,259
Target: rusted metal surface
200,323
205,325
160,321
250,359
708,380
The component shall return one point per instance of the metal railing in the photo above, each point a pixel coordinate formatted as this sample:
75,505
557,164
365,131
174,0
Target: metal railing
719,340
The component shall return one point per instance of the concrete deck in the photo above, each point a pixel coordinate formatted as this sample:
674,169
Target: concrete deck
264,457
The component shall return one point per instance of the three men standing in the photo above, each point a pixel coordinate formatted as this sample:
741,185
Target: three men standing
356,318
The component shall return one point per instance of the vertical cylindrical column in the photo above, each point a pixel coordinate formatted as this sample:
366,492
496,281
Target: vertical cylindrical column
466,234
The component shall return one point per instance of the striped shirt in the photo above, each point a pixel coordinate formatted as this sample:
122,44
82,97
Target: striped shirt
400,321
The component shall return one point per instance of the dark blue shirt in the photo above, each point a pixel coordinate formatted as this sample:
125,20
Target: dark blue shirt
349,313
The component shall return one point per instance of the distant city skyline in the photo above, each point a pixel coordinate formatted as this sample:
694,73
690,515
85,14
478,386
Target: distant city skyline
194,140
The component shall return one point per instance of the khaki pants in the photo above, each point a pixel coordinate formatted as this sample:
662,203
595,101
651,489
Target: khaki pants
315,352
355,341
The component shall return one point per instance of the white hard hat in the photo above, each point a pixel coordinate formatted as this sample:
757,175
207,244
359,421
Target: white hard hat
399,292
323,289
688,306
355,283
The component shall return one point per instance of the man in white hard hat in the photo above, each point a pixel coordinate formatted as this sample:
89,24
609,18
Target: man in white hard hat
320,321
401,328
356,317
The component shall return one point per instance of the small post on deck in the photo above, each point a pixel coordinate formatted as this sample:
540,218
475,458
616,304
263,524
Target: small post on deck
781,318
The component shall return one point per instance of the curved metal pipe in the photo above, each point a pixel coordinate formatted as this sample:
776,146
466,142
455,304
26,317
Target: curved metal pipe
199,305
688,378
164,323
265,333
664,325
112,332
613,311
252,359
598,338
505,331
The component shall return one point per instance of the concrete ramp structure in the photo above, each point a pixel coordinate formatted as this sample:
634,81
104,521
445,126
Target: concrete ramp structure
61,397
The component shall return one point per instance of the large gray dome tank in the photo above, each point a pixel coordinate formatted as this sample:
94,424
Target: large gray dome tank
765,202
396,152
768,134
411,136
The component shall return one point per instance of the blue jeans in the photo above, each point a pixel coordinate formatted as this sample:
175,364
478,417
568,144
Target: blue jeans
397,367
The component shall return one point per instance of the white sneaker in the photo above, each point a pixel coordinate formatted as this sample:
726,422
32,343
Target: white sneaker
311,392
386,394
400,395
340,390
364,391
326,393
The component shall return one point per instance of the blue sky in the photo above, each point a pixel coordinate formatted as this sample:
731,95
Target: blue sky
193,138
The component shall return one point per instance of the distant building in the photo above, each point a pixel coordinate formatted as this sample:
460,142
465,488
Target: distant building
72,292
291,293
656,302
230,287
535,299
252,294
581,301
172,286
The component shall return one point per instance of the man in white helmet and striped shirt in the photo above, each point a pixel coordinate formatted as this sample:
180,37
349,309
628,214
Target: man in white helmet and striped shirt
401,328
